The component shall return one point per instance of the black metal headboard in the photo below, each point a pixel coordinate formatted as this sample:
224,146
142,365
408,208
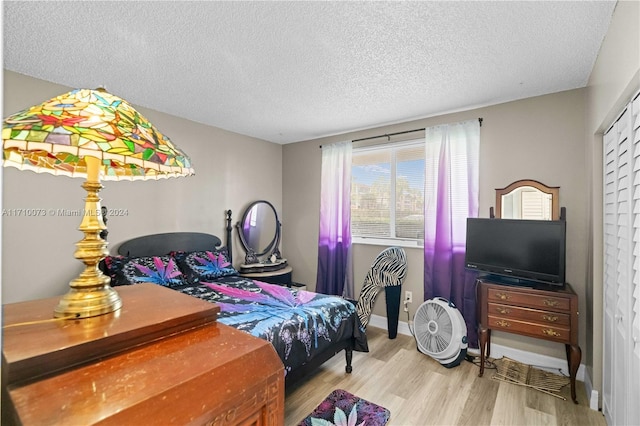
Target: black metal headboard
161,244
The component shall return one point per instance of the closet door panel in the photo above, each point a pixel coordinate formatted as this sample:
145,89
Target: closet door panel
621,278
633,378
611,269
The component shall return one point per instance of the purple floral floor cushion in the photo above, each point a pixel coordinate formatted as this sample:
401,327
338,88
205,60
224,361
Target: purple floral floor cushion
341,408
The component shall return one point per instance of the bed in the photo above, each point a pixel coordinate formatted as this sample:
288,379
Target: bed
305,328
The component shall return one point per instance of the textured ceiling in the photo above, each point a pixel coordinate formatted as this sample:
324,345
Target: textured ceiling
292,71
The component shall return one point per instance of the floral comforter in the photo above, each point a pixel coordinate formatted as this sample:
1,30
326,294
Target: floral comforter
298,323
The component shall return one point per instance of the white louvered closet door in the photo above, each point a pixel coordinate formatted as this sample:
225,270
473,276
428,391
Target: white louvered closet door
621,298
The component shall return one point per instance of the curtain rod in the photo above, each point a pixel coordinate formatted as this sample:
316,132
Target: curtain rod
388,135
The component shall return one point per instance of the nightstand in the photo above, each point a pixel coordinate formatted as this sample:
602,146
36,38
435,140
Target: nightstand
280,276
297,286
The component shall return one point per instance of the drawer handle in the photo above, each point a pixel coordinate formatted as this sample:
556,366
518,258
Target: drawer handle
503,323
550,318
551,332
503,311
502,296
550,302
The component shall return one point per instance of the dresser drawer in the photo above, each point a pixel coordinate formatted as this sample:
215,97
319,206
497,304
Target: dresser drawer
528,314
546,302
548,332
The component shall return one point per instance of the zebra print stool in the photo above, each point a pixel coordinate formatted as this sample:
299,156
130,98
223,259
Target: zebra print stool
387,271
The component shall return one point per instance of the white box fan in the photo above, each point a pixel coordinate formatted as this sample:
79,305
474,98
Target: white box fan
440,331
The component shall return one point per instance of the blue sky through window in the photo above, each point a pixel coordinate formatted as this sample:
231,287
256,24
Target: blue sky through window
412,170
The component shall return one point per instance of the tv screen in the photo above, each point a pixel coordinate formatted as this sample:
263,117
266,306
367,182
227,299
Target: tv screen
521,249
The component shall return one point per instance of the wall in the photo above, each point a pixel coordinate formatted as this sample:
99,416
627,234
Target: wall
232,170
539,138
614,79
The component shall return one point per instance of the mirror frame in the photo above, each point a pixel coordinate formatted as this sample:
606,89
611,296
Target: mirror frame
554,191
252,257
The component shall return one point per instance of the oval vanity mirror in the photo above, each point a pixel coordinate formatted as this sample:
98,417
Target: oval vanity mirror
259,232
528,199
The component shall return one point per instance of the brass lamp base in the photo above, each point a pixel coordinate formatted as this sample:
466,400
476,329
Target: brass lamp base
90,294
85,303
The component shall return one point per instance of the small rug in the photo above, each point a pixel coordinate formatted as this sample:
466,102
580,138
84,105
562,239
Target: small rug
511,371
343,408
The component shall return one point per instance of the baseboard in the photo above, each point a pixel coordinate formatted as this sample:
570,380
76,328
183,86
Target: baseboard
381,322
592,394
543,362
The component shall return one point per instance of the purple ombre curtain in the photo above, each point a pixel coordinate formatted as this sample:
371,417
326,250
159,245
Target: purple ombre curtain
335,269
451,196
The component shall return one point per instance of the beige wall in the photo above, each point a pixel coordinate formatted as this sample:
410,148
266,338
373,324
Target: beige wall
232,170
614,79
538,138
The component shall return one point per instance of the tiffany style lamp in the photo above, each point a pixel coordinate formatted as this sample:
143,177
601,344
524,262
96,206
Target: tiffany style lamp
94,135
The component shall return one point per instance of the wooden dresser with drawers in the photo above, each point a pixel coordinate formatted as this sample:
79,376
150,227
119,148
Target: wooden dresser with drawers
161,359
549,314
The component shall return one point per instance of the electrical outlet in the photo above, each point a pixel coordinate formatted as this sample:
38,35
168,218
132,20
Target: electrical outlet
408,298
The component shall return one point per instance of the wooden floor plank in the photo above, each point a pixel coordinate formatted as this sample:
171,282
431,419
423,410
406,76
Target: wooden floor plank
509,408
420,391
478,408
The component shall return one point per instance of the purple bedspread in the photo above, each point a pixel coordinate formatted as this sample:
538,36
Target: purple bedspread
299,324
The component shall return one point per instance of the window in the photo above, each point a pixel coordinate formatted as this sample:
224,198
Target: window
387,192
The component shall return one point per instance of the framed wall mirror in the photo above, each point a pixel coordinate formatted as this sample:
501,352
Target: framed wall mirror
259,232
528,199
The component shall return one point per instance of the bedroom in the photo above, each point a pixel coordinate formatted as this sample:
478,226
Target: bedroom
249,168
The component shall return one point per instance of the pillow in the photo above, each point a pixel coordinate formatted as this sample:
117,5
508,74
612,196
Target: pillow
161,270
205,265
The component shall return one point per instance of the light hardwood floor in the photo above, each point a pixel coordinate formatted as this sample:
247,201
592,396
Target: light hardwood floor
420,391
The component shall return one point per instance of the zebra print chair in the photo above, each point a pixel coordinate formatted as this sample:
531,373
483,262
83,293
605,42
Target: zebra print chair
387,271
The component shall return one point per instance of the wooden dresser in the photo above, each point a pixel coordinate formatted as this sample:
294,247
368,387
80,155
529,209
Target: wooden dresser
547,314
161,359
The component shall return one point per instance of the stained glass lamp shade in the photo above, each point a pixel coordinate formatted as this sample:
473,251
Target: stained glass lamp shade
97,136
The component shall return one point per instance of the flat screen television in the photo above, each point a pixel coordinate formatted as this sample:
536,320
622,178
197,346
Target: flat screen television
522,251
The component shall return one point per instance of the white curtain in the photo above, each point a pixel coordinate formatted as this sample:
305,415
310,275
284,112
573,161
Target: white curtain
335,265
450,197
